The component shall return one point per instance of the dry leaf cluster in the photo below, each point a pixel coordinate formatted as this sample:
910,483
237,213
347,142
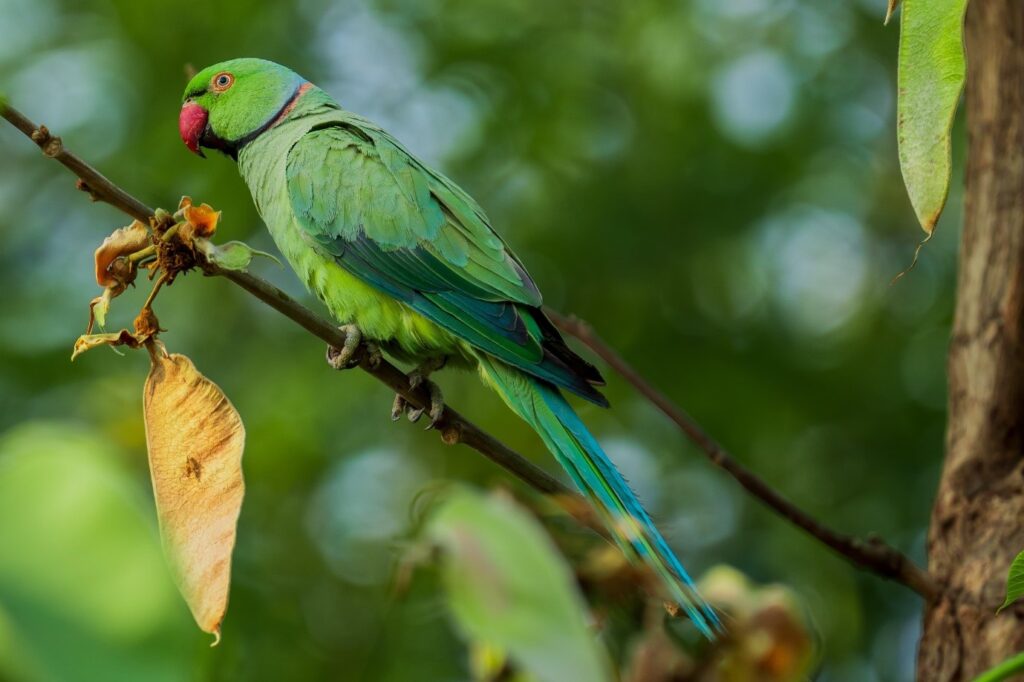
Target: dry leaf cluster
194,435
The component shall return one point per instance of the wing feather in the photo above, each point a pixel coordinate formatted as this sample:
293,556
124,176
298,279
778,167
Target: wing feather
415,235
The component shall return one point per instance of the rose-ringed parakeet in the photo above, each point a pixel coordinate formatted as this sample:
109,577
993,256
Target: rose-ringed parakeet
408,261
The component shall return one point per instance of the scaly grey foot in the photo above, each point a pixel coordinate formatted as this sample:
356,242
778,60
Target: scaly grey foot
347,356
417,377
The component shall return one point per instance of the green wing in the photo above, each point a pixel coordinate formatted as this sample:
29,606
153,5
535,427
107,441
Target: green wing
415,235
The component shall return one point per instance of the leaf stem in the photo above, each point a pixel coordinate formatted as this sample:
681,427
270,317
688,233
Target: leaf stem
148,305
143,254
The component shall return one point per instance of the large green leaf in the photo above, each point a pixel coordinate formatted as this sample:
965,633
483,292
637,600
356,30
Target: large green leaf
84,593
1014,581
508,588
931,77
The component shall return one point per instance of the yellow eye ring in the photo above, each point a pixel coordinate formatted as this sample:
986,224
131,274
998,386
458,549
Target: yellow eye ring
222,81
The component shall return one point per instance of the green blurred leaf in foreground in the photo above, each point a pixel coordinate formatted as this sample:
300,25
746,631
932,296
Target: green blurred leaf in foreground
508,588
931,78
84,594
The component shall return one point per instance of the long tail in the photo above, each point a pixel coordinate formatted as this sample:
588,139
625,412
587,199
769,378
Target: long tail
542,406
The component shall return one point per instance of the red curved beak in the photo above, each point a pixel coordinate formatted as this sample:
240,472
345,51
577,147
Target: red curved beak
191,123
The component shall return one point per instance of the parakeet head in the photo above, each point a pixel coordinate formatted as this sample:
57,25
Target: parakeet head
229,104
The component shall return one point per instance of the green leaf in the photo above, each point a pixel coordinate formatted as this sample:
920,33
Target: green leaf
508,588
931,77
1014,581
73,493
230,256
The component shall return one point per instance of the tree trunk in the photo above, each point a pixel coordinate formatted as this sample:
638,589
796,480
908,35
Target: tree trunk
977,524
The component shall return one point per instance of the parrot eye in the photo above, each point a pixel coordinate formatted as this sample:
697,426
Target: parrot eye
222,81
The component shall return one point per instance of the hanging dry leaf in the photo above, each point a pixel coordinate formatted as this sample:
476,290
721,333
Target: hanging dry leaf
195,439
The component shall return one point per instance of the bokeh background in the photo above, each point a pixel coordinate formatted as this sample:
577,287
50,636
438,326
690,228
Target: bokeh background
712,184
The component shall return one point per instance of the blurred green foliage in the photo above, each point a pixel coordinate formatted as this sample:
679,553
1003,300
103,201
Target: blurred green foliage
714,185
509,590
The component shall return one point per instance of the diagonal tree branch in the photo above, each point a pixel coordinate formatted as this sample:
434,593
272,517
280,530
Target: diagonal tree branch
454,428
873,555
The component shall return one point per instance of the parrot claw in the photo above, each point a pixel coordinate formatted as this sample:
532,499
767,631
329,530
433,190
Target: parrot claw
373,354
398,407
348,355
419,377
436,410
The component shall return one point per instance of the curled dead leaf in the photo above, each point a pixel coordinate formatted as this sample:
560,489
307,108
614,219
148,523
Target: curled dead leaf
122,242
112,339
195,439
146,327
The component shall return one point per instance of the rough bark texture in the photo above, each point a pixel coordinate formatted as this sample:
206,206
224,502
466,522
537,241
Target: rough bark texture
977,524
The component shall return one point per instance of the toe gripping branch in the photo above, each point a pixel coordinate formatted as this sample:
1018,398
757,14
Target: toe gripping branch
356,350
421,377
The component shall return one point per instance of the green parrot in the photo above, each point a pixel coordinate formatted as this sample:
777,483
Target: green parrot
409,263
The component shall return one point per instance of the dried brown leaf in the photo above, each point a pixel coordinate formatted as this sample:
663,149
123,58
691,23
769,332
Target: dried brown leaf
195,439
121,242
112,339
146,327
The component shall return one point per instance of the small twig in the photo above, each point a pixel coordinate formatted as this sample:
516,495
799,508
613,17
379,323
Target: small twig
872,554
97,185
156,289
142,255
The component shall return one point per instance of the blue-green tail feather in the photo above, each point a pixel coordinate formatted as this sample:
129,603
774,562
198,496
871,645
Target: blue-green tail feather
544,408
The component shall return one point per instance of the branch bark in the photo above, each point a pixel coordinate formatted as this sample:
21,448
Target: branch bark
873,554
976,524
